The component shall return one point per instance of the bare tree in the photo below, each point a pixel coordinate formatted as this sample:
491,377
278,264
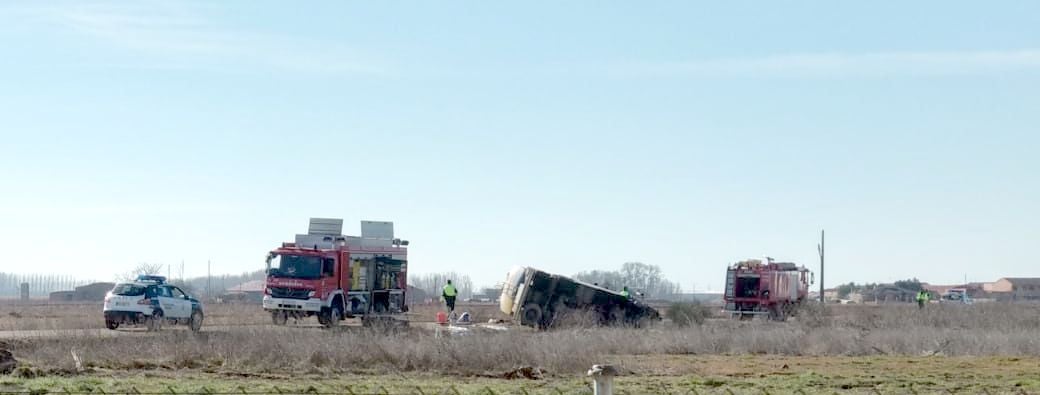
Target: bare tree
637,276
433,282
141,268
608,279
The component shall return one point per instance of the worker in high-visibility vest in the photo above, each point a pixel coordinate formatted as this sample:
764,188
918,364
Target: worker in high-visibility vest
922,298
624,291
449,293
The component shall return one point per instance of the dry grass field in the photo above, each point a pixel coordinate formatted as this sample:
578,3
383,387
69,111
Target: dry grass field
982,348
46,316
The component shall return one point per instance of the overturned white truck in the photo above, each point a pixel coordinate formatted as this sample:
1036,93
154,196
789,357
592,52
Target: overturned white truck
538,299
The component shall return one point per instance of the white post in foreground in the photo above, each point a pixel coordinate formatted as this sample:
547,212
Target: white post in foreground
602,379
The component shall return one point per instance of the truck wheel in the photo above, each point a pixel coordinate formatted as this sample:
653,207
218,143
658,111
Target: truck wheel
279,317
791,309
195,322
335,314
323,315
111,324
778,313
532,313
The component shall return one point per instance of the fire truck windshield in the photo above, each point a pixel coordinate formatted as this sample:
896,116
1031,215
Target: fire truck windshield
296,266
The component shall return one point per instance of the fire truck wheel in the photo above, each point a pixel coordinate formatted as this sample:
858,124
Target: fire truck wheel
532,313
330,317
111,324
778,313
279,317
335,315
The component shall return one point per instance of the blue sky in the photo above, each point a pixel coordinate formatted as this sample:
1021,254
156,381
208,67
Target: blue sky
568,137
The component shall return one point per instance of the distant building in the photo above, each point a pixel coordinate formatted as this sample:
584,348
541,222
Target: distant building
1015,288
830,294
94,292
939,290
974,290
249,291
62,296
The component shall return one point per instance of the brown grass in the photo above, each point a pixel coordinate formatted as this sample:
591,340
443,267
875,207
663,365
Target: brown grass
46,316
980,330
88,316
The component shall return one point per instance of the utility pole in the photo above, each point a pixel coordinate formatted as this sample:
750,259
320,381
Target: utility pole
820,248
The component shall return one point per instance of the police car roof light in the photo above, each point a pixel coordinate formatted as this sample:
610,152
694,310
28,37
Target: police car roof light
151,278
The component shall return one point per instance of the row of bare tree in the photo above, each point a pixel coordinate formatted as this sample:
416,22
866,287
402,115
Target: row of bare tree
39,284
433,283
637,276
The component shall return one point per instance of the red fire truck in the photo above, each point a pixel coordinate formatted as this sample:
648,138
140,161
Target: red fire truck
332,276
774,289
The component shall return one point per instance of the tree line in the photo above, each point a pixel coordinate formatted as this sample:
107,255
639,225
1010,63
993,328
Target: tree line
39,284
200,286
433,283
637,276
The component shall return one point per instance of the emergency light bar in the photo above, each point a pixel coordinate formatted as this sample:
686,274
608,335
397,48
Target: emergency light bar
151,278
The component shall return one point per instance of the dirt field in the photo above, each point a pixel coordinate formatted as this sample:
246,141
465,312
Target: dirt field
864,349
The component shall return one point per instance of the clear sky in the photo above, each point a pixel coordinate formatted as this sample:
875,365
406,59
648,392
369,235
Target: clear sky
568,136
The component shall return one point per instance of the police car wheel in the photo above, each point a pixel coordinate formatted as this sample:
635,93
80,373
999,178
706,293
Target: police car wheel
154,323
195,322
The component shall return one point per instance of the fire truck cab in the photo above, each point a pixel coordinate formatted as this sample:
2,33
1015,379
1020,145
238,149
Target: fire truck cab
334,277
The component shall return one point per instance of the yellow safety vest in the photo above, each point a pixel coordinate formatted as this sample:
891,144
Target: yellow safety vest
449,290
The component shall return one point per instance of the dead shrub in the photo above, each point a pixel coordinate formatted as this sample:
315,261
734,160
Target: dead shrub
684,314
576,318
320,359
523,372
7,362
813,315
27,372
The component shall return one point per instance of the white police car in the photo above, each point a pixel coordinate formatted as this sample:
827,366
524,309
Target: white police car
151,302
